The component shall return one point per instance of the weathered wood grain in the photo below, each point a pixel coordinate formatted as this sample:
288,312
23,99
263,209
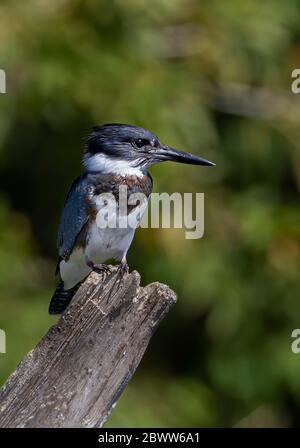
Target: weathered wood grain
76,373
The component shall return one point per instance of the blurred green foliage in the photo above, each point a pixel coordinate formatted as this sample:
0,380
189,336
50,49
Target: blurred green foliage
222,357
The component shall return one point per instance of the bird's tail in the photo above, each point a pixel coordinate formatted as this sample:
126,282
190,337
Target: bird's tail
61,298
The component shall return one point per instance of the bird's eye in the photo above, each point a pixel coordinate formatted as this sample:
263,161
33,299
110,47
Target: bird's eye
140,142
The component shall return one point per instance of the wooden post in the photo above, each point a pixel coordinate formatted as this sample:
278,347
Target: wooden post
76,373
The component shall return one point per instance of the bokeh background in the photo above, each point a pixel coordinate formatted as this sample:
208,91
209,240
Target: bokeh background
211,77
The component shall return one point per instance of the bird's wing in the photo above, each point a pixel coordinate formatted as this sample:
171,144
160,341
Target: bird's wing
74,217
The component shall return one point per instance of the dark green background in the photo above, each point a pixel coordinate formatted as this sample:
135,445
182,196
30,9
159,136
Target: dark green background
211,77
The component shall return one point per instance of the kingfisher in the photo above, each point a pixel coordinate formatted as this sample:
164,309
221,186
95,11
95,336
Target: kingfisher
115,155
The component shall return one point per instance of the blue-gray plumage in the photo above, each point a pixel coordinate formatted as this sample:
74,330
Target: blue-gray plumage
74,216
114,155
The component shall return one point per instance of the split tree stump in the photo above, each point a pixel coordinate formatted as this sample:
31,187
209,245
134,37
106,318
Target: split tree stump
76,373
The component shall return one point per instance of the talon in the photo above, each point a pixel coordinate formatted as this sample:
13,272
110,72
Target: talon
123,267
100,268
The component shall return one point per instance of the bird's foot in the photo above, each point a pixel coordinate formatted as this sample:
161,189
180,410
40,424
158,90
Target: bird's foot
123,267
100,268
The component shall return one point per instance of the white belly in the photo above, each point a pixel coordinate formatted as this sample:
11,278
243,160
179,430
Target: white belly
111,234
102,245
105,244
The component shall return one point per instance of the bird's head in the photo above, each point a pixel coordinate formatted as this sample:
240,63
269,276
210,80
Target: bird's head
125,149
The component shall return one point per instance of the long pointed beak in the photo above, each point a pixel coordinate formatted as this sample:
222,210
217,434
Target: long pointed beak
167,153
